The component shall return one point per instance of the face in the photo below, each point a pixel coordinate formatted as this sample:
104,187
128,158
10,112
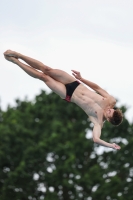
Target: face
109,113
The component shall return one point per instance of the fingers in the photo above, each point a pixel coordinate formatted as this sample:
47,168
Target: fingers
74,75
75,71
116,146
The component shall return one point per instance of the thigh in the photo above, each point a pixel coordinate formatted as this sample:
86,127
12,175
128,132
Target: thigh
55,86
60,75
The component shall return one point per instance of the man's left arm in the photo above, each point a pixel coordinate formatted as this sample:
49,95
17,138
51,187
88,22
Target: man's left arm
96,138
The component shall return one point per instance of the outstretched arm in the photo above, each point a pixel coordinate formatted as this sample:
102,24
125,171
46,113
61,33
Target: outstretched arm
92,85
96,138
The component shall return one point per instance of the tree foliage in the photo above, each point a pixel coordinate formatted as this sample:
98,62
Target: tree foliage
44,154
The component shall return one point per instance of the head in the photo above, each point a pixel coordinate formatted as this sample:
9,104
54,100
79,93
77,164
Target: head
115,117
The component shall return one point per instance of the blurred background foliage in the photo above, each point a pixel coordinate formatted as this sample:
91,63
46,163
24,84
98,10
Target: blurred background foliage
47,152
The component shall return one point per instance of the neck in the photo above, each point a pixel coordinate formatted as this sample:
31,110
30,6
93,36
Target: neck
104,115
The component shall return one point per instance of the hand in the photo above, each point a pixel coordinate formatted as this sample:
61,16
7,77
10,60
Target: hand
115,146
76,74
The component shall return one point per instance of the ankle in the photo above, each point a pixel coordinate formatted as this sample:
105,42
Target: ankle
16,61
19,55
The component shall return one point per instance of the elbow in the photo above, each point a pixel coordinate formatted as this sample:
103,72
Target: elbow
113,101
95,140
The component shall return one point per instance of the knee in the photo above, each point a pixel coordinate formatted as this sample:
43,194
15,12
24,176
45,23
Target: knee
48,70
43,77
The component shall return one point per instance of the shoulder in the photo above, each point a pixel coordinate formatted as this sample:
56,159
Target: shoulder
112,101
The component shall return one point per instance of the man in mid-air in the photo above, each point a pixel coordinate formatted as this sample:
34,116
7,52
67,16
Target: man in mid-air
98,105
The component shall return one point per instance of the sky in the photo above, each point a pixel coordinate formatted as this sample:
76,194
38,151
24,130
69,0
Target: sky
91,36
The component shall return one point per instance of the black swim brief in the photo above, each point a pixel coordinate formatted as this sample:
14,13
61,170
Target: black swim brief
70,87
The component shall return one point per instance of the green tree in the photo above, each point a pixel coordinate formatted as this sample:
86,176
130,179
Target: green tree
44,154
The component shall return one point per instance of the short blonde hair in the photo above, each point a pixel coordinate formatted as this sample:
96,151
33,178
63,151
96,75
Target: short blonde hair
117,117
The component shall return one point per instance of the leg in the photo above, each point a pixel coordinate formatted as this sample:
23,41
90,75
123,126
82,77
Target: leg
54,85
30,61
30,71
56,74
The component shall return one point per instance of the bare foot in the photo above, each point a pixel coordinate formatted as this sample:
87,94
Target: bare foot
11,59
11,53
